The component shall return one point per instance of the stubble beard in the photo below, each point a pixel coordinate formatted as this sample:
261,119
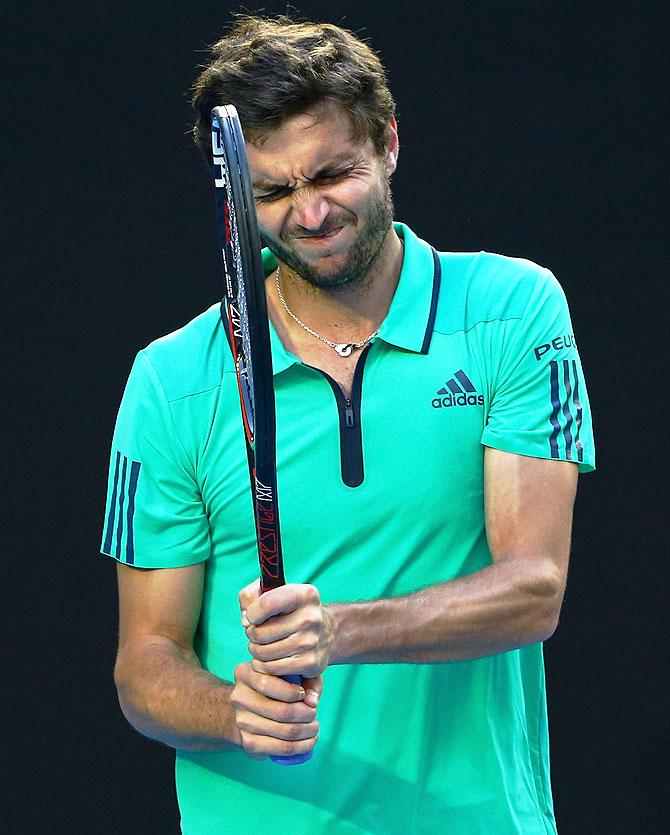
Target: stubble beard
374,224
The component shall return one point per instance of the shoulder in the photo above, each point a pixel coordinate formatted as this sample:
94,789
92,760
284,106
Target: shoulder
486,287
190,359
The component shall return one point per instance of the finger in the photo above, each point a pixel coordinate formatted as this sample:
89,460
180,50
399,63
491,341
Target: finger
313,689
248,595
307,666
305,619
281,600
296,644
253,724
260,747
248,701
271,686
292,666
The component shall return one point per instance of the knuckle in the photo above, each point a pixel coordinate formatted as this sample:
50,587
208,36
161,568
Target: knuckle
311,619
258,651
294,732
311,663
261,684
242,723
250,743
307,643
286,713
286,748
312,594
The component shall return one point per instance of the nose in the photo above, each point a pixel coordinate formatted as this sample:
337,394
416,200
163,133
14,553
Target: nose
310,209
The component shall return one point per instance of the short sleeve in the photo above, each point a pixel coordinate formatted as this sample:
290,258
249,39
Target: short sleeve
539,404
154,515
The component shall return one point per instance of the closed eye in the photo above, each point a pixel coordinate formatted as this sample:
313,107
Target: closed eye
275,194
331,176
322,177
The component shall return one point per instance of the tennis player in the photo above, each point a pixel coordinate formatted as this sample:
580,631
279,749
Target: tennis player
432,421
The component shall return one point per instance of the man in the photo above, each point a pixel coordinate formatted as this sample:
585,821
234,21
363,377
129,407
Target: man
432,419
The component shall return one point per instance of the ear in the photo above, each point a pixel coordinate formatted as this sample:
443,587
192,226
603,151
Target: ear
392,147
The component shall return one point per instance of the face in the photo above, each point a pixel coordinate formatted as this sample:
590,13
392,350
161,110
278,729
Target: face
322,198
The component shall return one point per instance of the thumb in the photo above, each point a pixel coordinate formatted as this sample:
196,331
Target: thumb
246,597
313,689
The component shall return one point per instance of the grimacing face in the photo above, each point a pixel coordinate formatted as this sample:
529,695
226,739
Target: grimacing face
323,198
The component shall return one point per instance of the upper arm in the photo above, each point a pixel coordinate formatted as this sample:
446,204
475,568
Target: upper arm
529,505
159,604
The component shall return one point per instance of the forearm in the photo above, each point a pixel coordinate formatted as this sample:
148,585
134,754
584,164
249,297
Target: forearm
166,695
503,606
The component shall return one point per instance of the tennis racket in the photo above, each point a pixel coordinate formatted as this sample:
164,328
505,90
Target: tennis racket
244,315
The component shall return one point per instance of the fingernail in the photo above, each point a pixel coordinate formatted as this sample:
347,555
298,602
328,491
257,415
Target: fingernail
245,620
314,695
302,693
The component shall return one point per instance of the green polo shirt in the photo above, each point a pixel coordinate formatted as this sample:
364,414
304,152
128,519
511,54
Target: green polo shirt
379,495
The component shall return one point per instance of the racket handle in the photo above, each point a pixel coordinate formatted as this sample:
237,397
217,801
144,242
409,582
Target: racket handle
295,759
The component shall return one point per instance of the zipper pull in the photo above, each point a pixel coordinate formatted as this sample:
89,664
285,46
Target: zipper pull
349,415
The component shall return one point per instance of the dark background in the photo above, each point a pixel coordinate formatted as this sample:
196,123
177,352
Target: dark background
527,128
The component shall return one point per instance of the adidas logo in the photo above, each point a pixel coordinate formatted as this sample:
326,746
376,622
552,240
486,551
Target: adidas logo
458,391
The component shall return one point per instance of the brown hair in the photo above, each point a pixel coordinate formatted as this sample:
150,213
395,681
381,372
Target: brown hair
270,69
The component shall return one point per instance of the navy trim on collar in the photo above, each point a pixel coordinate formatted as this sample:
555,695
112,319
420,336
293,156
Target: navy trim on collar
437,280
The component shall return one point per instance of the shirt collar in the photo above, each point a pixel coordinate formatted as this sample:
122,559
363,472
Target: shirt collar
409,322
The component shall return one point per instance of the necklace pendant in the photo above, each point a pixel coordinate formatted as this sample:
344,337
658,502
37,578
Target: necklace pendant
344,348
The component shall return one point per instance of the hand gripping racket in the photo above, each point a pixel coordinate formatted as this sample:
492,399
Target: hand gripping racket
244,315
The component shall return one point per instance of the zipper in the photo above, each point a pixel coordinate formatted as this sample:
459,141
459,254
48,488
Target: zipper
349,410
348,414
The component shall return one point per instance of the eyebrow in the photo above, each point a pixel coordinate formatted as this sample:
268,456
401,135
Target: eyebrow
335,164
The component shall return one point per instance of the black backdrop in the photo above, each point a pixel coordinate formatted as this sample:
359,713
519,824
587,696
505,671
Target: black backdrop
527,128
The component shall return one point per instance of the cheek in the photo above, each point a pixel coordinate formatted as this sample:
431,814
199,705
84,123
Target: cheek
359,195
270,220
353,194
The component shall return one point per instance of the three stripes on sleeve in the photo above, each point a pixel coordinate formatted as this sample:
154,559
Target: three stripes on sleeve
122,510
566,408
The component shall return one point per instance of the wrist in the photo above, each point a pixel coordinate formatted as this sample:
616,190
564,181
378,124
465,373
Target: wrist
338,631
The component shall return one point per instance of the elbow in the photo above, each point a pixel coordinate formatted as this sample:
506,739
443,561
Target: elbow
122,675
548,625
122,684
548,594
129,693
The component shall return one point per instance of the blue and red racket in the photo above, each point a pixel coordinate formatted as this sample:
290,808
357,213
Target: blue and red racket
244,315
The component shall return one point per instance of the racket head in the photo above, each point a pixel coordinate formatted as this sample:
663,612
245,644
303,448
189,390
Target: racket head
245,305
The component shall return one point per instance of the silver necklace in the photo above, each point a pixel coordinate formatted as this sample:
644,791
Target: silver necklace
344,349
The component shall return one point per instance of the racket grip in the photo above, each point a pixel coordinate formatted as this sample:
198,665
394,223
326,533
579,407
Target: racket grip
295,759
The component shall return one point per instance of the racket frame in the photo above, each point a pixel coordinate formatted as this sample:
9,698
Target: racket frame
241,256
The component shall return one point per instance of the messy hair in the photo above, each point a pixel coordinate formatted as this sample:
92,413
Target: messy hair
272,69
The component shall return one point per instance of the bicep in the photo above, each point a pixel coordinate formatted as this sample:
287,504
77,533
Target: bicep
528,504
159,604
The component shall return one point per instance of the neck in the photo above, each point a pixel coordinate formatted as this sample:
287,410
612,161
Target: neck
347,313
